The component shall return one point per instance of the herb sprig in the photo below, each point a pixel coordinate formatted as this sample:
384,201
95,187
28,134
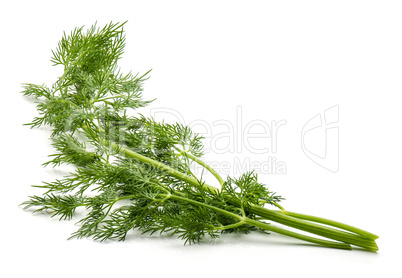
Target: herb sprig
118,156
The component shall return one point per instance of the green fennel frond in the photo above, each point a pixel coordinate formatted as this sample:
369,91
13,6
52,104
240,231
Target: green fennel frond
133,173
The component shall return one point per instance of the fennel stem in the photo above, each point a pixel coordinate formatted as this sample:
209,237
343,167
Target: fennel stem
359,237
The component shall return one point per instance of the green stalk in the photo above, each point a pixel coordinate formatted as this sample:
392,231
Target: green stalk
314,228
265,226
331,223
162,166
203,164
317,229
322,242
272,215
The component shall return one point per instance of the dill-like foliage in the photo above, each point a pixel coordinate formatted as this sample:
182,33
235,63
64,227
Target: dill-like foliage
132,172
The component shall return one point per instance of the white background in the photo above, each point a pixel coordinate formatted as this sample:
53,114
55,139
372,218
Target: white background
278,60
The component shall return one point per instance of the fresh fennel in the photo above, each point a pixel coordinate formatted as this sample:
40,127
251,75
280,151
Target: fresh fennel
119,157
